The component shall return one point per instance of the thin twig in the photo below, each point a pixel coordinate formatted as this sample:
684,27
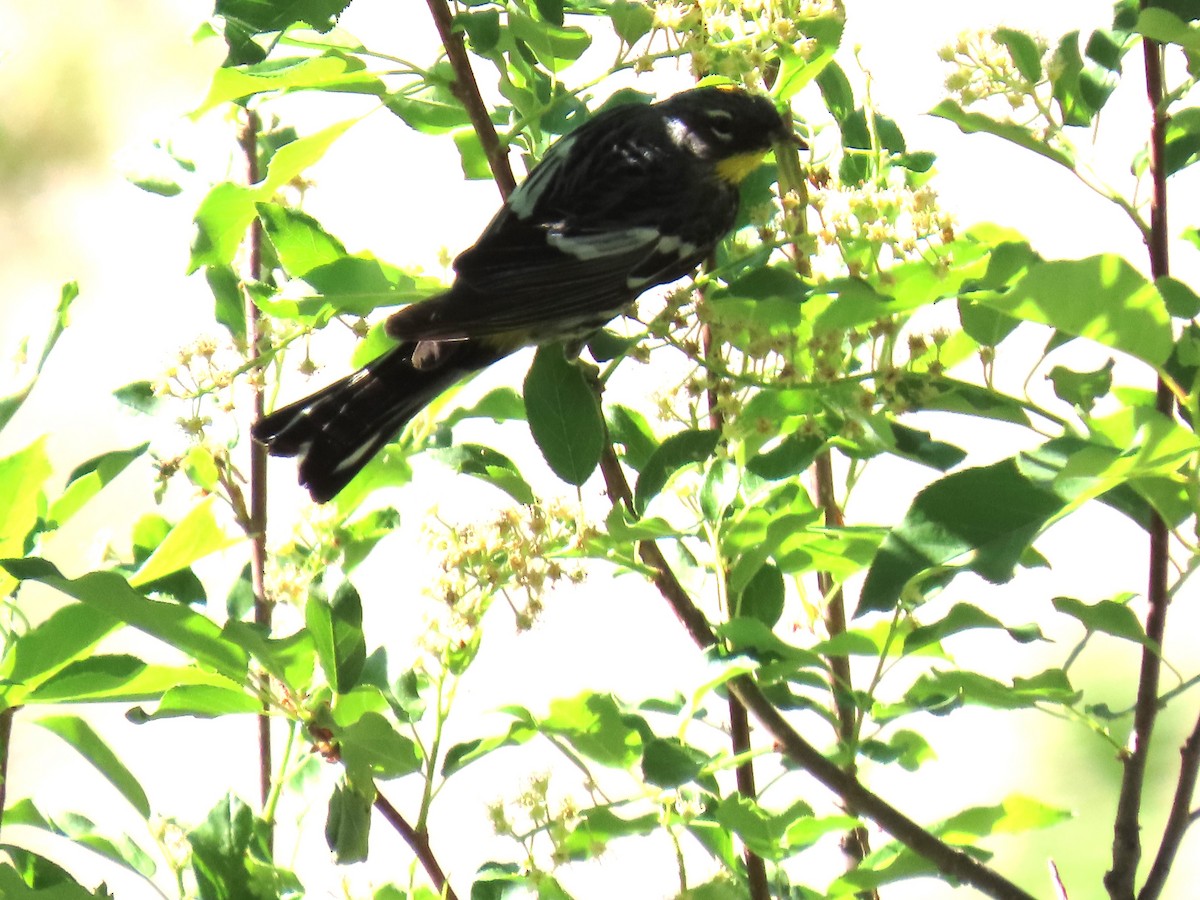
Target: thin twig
466,89
418,841
6,723
257,522
1179,818
948,860
739,722
856,843
1127,848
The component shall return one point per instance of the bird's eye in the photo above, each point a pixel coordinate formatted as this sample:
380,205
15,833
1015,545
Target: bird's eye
719,123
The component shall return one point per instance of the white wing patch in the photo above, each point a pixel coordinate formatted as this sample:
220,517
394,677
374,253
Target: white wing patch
603,244
525,198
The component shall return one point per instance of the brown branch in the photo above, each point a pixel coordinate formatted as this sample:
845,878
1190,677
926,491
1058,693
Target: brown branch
466,89
257,521
6,723
853,793
418,842
739,722
1127,848
1179,818
856,844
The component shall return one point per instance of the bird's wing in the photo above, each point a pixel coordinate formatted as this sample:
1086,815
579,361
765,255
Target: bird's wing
604,216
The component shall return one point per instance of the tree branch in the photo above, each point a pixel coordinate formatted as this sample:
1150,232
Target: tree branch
948,860
466,88
1127,848
1179,818
418,841
739,722
856,844
256,525
6,723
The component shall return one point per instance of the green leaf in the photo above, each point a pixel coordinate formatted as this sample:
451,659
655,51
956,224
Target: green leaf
668,763
434,112
22,477
964,617
631,20
907,748
472,155
30,876
222,848
684,448
80,736
171,623
488,465
330,71
82,832
973,122
1123,310
1079,89
1182,302
221,222
294,158
499,405
1182,138
595,726
790,456
1106,617
138,396
1024,52
1081,389
629,429
992,512
941,692
299,240
1168,28
197,535
335,625
12,402
117,677
762,598
89,478
1015,815
371,745
597,827
550,10
482,29
68,634
259,17
564,415
199,701
348,825
461,755
555,47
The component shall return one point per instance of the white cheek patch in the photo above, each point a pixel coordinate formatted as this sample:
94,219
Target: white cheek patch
604,244
683,137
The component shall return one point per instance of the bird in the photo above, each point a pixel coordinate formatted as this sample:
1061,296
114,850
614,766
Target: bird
637,196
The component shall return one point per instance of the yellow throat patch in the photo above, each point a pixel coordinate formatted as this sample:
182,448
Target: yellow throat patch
737,167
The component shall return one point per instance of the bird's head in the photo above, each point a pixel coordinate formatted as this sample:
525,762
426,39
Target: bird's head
728,125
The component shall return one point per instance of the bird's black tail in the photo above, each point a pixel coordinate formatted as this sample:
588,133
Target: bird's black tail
337,430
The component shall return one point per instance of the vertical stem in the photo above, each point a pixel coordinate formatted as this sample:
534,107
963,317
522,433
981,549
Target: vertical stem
1127,848
418,842
466,89
258,452
856,844
6,723
739,719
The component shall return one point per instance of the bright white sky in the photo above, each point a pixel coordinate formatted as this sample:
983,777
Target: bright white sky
389,190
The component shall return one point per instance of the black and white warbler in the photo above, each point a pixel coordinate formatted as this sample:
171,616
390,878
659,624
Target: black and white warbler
637,196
